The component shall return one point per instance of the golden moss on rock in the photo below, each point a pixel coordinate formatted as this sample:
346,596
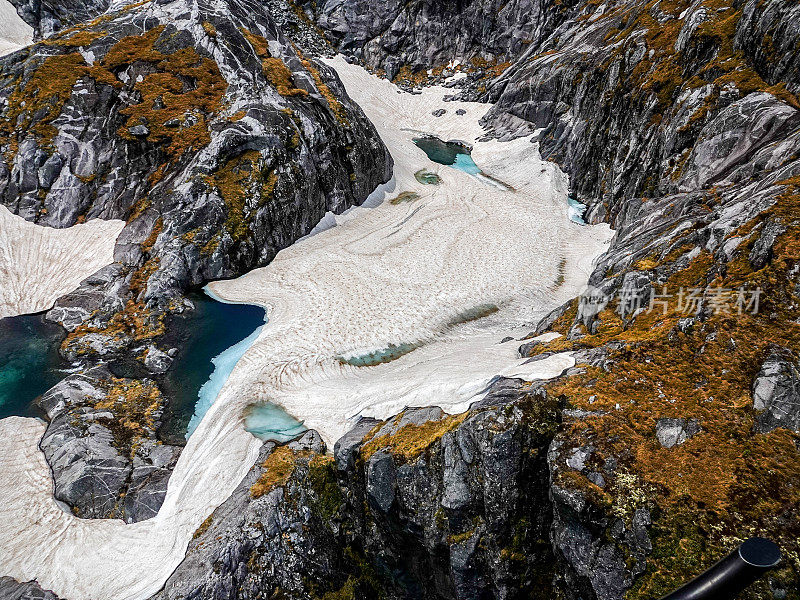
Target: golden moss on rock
237,180
184,85
33,106
336,107
276,72
74,40
411,440
728,482
278,468
177,100
203,527
133,405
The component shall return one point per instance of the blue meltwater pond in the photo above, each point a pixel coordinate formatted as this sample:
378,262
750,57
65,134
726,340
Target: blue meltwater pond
448,153
213,338
29,362
268,421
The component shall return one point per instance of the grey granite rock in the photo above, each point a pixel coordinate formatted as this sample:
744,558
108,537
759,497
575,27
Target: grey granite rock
463,518
422,34
282,543
776,393
103,163
97,468
48,16
157,361
346,448
599,555
381,481
11,589
674,432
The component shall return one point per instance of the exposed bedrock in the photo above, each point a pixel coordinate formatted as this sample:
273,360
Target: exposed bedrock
673,437
48,17
638,101
423,505
11,589
679,124
216,139
102,448
425,34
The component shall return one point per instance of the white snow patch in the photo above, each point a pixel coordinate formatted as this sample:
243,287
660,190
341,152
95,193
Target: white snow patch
14,32
39,264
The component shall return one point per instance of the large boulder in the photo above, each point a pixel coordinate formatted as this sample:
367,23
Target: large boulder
102,447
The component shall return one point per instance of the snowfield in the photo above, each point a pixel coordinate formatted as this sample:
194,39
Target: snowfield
14,32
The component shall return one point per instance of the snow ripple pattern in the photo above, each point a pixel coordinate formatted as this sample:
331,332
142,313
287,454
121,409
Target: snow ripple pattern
39,264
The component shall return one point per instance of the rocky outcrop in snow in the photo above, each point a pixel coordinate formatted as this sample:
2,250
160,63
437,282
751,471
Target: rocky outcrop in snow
102,448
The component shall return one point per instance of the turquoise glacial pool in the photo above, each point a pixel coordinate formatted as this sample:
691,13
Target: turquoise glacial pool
268,421
371,359
219,334
448,153
576,211
29,362
212,338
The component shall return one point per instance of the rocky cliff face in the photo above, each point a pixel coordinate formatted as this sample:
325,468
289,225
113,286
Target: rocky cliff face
407,38
102,448
643,100
216,139
10,589
48,17
679,124
424,505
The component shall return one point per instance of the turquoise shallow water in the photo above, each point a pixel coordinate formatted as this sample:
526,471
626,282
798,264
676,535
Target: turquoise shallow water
388,354
29,362
465,163
576,211
212,338
448,153
268,421
223,364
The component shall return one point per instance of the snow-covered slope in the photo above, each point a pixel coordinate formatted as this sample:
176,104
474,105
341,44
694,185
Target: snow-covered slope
14,32
39,264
